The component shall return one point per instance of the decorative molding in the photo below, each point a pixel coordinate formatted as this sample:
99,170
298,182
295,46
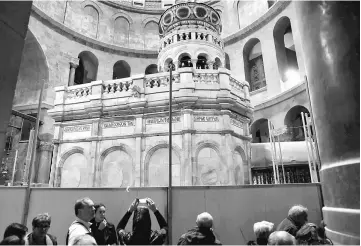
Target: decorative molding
162,120
205,119
277,8
46,146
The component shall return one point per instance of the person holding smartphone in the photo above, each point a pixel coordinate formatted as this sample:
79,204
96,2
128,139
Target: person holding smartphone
142,233
102,230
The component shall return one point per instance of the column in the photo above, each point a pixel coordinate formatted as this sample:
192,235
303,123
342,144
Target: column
139,165
45,151
330,33
73,66
186,168
13,28
95,170
194,62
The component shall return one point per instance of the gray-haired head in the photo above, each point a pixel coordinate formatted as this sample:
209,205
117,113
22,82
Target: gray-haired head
204,220
263,229
298,214
281,238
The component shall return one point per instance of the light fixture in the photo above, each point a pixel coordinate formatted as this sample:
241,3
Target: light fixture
292,75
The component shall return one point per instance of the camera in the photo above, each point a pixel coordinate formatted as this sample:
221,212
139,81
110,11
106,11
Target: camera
143,202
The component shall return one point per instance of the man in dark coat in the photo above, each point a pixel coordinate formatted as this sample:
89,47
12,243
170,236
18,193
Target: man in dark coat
202,234
297,217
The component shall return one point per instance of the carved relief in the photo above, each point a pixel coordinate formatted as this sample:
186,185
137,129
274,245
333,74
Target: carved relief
116,124
206,119
162,120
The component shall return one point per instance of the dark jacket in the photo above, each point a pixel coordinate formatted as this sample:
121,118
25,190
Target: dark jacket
199,236
106,236
142,233
29,240
289,226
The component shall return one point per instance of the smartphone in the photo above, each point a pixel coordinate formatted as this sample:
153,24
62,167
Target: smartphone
143,202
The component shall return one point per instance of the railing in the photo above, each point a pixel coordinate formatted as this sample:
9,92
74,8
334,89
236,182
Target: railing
114,86
236,84
79,91
160,80
191,35
206,77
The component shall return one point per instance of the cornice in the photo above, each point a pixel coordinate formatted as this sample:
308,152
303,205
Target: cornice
277,8
134,9
281,97
90,42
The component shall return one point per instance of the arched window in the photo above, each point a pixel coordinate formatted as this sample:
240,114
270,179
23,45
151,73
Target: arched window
293,121
121,69
151,69
285,50
217,63
253,64
185,61
90,21
87,70
201,62
121,31
166,64
260,131
151,35
228,62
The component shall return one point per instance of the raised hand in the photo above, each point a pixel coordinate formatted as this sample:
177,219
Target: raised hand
134,205
151,205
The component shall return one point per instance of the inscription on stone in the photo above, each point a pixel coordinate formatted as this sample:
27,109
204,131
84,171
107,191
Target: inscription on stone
116,124
236,123
206,119
81,128
162,120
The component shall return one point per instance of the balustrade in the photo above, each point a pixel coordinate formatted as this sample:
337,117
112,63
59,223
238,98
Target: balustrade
79,91
114,87
160,81
188,35
208,78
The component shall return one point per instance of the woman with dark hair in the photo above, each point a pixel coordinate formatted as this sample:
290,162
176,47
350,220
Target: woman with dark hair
103,231
309,234
142,233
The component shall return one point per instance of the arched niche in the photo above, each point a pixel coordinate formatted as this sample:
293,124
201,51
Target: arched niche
116,168
293,121
260,131
33,72
217,63
87,70
73,169
202,60
157,166
240,162
253,64
210,169
90,21
121,69
121,31
151,69
285,50
151,35
166,64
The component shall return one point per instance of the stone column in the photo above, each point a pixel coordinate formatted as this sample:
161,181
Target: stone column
138,164
194,62
330,33
73,66
186,168
95,170
45,151
13,28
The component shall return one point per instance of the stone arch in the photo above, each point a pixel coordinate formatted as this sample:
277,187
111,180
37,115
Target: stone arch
166,64
260,131
149,19
62,160
211,170
87,70
253,64
285,50
151,69
34,69
93,4
121,69
131,169
294,123
241,176
123,15
150,152
184,58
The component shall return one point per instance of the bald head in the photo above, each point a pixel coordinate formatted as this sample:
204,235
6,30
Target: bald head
204,220
281,238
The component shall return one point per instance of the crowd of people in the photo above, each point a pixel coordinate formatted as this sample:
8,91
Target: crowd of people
92,228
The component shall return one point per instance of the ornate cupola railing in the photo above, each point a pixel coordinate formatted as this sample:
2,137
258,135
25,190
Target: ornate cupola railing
190,37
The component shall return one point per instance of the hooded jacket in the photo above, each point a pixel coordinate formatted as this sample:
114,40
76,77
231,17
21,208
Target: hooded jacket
142,234
199,236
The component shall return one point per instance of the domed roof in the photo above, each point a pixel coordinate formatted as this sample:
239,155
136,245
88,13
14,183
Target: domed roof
190,14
